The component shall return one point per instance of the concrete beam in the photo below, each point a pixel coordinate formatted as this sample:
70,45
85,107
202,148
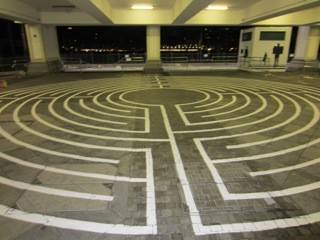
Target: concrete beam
230,17
142,17
186,9
263,10
16,10
309,16
98,9
68,18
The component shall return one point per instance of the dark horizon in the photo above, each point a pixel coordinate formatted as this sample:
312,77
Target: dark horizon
75,39
133,39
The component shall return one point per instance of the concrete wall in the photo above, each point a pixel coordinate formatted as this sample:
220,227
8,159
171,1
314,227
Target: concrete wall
246,44
257,48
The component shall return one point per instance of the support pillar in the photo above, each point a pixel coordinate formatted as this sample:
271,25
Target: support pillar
153,63
313,44
307,45
43,48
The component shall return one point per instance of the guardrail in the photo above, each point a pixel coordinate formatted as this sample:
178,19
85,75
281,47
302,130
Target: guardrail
173,57
14,64
255,62
102,58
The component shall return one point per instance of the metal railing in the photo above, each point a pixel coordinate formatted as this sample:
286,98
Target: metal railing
14,64
127,58
102,58
197,57
255,62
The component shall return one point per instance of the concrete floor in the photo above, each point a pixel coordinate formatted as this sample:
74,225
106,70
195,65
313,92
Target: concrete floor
224,155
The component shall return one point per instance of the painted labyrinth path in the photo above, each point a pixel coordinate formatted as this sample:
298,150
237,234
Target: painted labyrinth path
90,155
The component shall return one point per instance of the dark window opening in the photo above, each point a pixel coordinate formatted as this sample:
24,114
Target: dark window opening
272,36
200,44
13,46
98,45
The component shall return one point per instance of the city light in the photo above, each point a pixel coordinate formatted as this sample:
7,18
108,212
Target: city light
217,7
142,7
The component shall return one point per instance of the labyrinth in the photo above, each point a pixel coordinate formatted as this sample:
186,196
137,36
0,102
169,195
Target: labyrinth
161,155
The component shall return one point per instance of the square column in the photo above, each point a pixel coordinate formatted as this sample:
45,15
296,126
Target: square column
153,63
313,44
43,48
307,46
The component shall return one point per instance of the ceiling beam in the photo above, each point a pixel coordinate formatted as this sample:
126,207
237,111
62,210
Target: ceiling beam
98,9
264,10
16,10
186,9
73,18
306,17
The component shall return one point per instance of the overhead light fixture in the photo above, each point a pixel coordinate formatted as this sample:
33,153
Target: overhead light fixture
217,7
142,7
18,22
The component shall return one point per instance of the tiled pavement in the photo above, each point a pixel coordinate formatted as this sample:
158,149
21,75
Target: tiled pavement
226,156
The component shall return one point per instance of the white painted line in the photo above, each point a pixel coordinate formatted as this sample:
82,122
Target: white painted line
109,99
233,100
247,103
268,155
74,224
179,164
158,81
69,172
8,98
198,227
312,123
318,99
151,227
286,169
53,191
70,110
271,116
85,106
47,151
62,118
208,97
69,142
36,116
96,102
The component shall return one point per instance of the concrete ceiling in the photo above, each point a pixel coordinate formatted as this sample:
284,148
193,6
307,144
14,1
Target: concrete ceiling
236,4
49,5
165,12
126,4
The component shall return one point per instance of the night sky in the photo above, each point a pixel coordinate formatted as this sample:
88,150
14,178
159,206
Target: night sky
124,38
133,39
113,39
220,39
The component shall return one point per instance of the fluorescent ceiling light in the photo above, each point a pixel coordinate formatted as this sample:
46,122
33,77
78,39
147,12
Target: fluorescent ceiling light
217,7
142,7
